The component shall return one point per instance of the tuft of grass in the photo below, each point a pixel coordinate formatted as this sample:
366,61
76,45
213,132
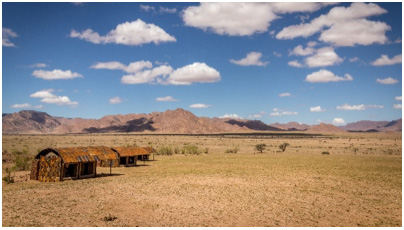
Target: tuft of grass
8,178
109,218
235,149
21,160
191,149
165,151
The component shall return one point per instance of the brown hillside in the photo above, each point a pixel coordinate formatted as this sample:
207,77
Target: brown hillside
290,126
325,128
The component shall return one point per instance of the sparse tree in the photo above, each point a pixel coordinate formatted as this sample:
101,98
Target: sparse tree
283,146
260,147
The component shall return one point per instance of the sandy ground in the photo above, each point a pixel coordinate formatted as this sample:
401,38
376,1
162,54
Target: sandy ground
300,187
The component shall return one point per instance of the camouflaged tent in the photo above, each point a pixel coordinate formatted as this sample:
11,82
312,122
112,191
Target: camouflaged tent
128,156
56,164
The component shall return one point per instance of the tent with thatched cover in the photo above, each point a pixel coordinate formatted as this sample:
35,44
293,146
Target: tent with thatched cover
128,156
57,164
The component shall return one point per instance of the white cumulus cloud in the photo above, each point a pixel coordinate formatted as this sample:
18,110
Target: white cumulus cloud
323,76
234,19
7,34
148,76
354,59
343,26
295,63
397,106
285,94
129,33
55,74
115,100
167,10
25,106
294,7
147,8
241,18
47,96
252,59
338,121
142,72
398,98
323,57
38,65
231,115
358,107
258,115
317,109
19,106
300,51
385,60
387,81
133,67
281,112
199,106
194,73
167,98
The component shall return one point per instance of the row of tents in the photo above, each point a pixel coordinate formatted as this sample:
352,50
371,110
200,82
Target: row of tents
57,164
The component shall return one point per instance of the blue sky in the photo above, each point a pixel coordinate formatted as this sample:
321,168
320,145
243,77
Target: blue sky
305,62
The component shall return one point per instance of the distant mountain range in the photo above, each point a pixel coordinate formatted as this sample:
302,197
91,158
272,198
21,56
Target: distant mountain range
170,121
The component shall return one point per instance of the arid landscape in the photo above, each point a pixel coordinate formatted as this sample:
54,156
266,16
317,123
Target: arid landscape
193,114
358,183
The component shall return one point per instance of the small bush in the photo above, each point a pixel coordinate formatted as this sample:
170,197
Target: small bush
283,146
260,147
191,149
235,149
176,150
8,178
206,150
109,218
22,160
165,151
325,153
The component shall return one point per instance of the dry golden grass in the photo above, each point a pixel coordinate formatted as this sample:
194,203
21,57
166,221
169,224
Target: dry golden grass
300,187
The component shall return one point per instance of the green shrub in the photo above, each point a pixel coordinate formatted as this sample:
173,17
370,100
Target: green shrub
235,149
176,150
191,149
283,146
260,147
22,160
109,218
165,151
8,178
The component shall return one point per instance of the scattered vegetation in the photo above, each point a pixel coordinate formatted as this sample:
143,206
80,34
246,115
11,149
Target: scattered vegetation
22,160
187,149
325,153
165,151
283,146
8,178
176,150
260,147
109,218
191,149
235,149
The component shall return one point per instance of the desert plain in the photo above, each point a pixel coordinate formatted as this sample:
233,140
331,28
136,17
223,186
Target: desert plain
359,183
